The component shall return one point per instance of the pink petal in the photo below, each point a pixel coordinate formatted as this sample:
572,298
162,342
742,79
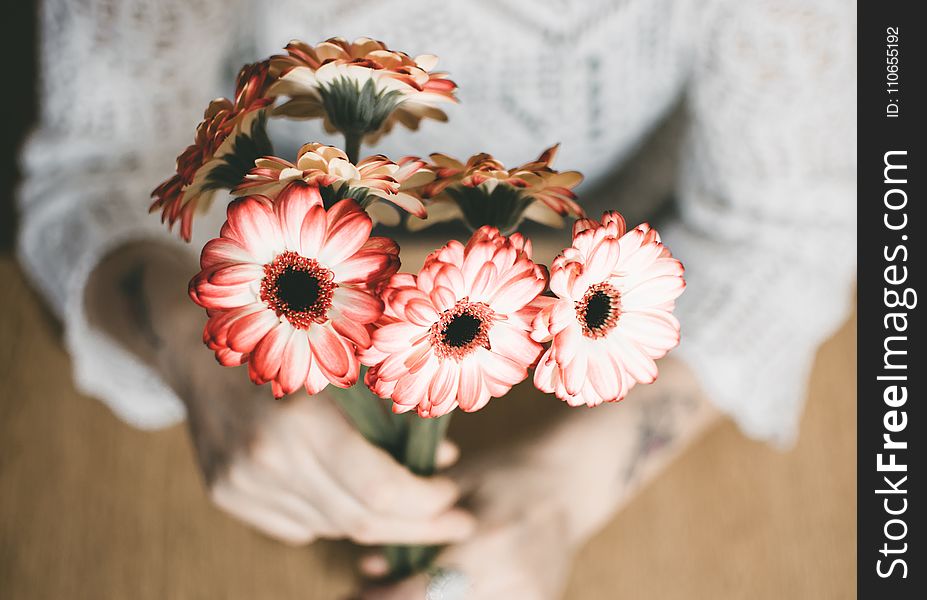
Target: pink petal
291,206
356,304
347,232
513,344
247,331
652,292
472,395
312,232
218,325
294,365
545,374
252,224
354,331
220,297
514,295
638,365
268,354
237,273
408,203
332,355
413,388
396,337
229,358
223,250
363,268
450,277
316,381
657,331
499,372
442,298
568,343
421,313
602,261
443,388
604,377
575,371
484,283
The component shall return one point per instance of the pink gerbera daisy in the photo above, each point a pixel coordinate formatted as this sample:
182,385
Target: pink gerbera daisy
287,287
459,332
616,291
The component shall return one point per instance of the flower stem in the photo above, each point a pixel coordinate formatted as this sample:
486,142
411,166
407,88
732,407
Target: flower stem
352,145
421,448
412,440
422,443
370,416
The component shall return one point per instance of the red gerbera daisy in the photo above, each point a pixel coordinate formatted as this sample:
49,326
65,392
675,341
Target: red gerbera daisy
483,192
614,314
224,125
459,332
287,287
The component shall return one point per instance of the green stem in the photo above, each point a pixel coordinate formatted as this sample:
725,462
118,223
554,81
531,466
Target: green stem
352,145
421,448
422,444
412,440
370,416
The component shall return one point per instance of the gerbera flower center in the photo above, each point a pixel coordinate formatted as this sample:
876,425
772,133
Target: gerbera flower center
599,310
462,329
298,288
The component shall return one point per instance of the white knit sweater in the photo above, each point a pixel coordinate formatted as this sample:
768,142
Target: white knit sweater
767,189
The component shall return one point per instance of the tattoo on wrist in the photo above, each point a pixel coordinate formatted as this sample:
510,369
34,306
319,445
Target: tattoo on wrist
658,428
132,288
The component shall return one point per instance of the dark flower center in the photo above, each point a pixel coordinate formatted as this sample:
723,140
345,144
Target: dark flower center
599,310
462,329
298,288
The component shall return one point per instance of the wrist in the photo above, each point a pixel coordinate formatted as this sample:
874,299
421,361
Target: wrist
137,296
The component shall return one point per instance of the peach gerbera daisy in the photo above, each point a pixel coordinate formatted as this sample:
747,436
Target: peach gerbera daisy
458,333
374,179
287,287
613,316
230,133
361,88
483,192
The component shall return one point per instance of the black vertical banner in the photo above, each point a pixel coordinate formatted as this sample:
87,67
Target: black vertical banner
892,373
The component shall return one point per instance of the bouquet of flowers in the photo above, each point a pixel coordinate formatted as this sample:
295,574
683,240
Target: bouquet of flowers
296,287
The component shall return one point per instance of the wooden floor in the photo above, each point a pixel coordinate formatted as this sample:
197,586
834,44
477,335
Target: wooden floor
90,508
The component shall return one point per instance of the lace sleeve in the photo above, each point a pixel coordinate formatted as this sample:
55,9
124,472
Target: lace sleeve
767,193
121,91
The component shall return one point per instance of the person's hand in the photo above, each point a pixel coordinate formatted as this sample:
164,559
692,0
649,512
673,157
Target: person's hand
307,473
538,500
295,469
522,548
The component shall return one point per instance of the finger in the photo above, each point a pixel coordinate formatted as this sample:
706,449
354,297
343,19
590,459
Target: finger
373,565
452,526
267,520
372,476
360,478
304,475
447,455
266,488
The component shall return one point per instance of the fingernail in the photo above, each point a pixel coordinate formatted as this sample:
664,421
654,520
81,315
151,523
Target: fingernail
461,523
447,454
374,565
